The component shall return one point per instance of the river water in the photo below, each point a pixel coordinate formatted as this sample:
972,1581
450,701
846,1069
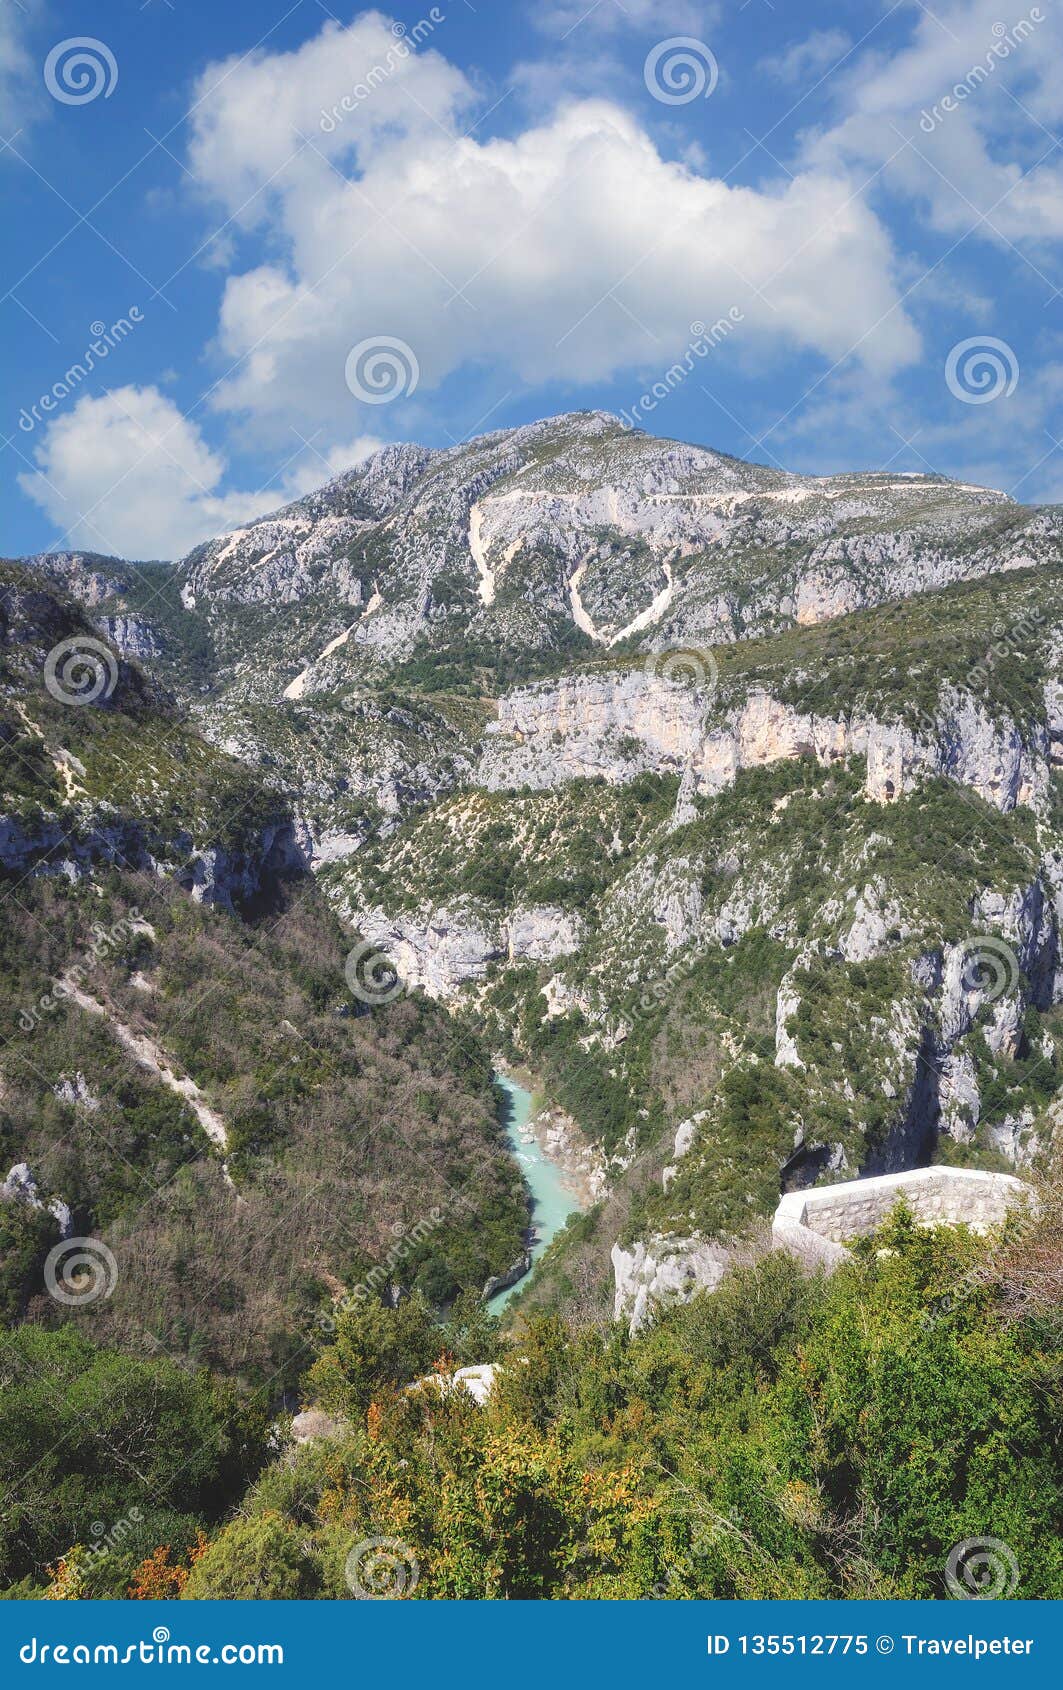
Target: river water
552,1202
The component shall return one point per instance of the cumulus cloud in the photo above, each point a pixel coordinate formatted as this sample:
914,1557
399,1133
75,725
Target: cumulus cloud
955,119
127,473
569,251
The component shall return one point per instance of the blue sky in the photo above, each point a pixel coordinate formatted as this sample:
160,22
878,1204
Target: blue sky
309,229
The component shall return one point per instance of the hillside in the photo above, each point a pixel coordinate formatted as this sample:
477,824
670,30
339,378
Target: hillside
186,1074
649,764
350,640
722,804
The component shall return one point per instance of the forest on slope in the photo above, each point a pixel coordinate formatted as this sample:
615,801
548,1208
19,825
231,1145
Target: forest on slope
760,878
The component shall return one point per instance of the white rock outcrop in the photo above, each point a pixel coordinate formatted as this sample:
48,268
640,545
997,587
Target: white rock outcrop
685,1134
313,1424
660,1270
444,949
21,1187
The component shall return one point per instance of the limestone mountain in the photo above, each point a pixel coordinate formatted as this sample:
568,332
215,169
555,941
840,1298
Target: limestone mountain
725,800
351,639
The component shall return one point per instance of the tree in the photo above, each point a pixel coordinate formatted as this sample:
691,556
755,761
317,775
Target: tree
138,1437
258,1559
374,1347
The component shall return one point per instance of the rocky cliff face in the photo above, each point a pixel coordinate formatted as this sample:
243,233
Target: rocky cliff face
661,1270
442,951
98,770
575,531
618,724
214,874
726,800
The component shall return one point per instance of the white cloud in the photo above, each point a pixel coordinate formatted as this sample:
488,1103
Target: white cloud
569,252
955,116
126,473
20,96
273,120
809,59
669,17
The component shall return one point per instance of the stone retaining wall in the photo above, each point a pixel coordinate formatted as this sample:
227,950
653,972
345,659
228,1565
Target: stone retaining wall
816,1224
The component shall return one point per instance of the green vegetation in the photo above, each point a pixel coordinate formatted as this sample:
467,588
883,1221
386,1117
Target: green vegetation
365,1126
304,1192
149,1451
562,847
782,1437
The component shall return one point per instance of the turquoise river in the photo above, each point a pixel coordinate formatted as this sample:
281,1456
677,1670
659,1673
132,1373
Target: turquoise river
552,1202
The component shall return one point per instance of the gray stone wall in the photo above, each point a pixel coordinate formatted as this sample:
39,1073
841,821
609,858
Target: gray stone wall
817,1224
